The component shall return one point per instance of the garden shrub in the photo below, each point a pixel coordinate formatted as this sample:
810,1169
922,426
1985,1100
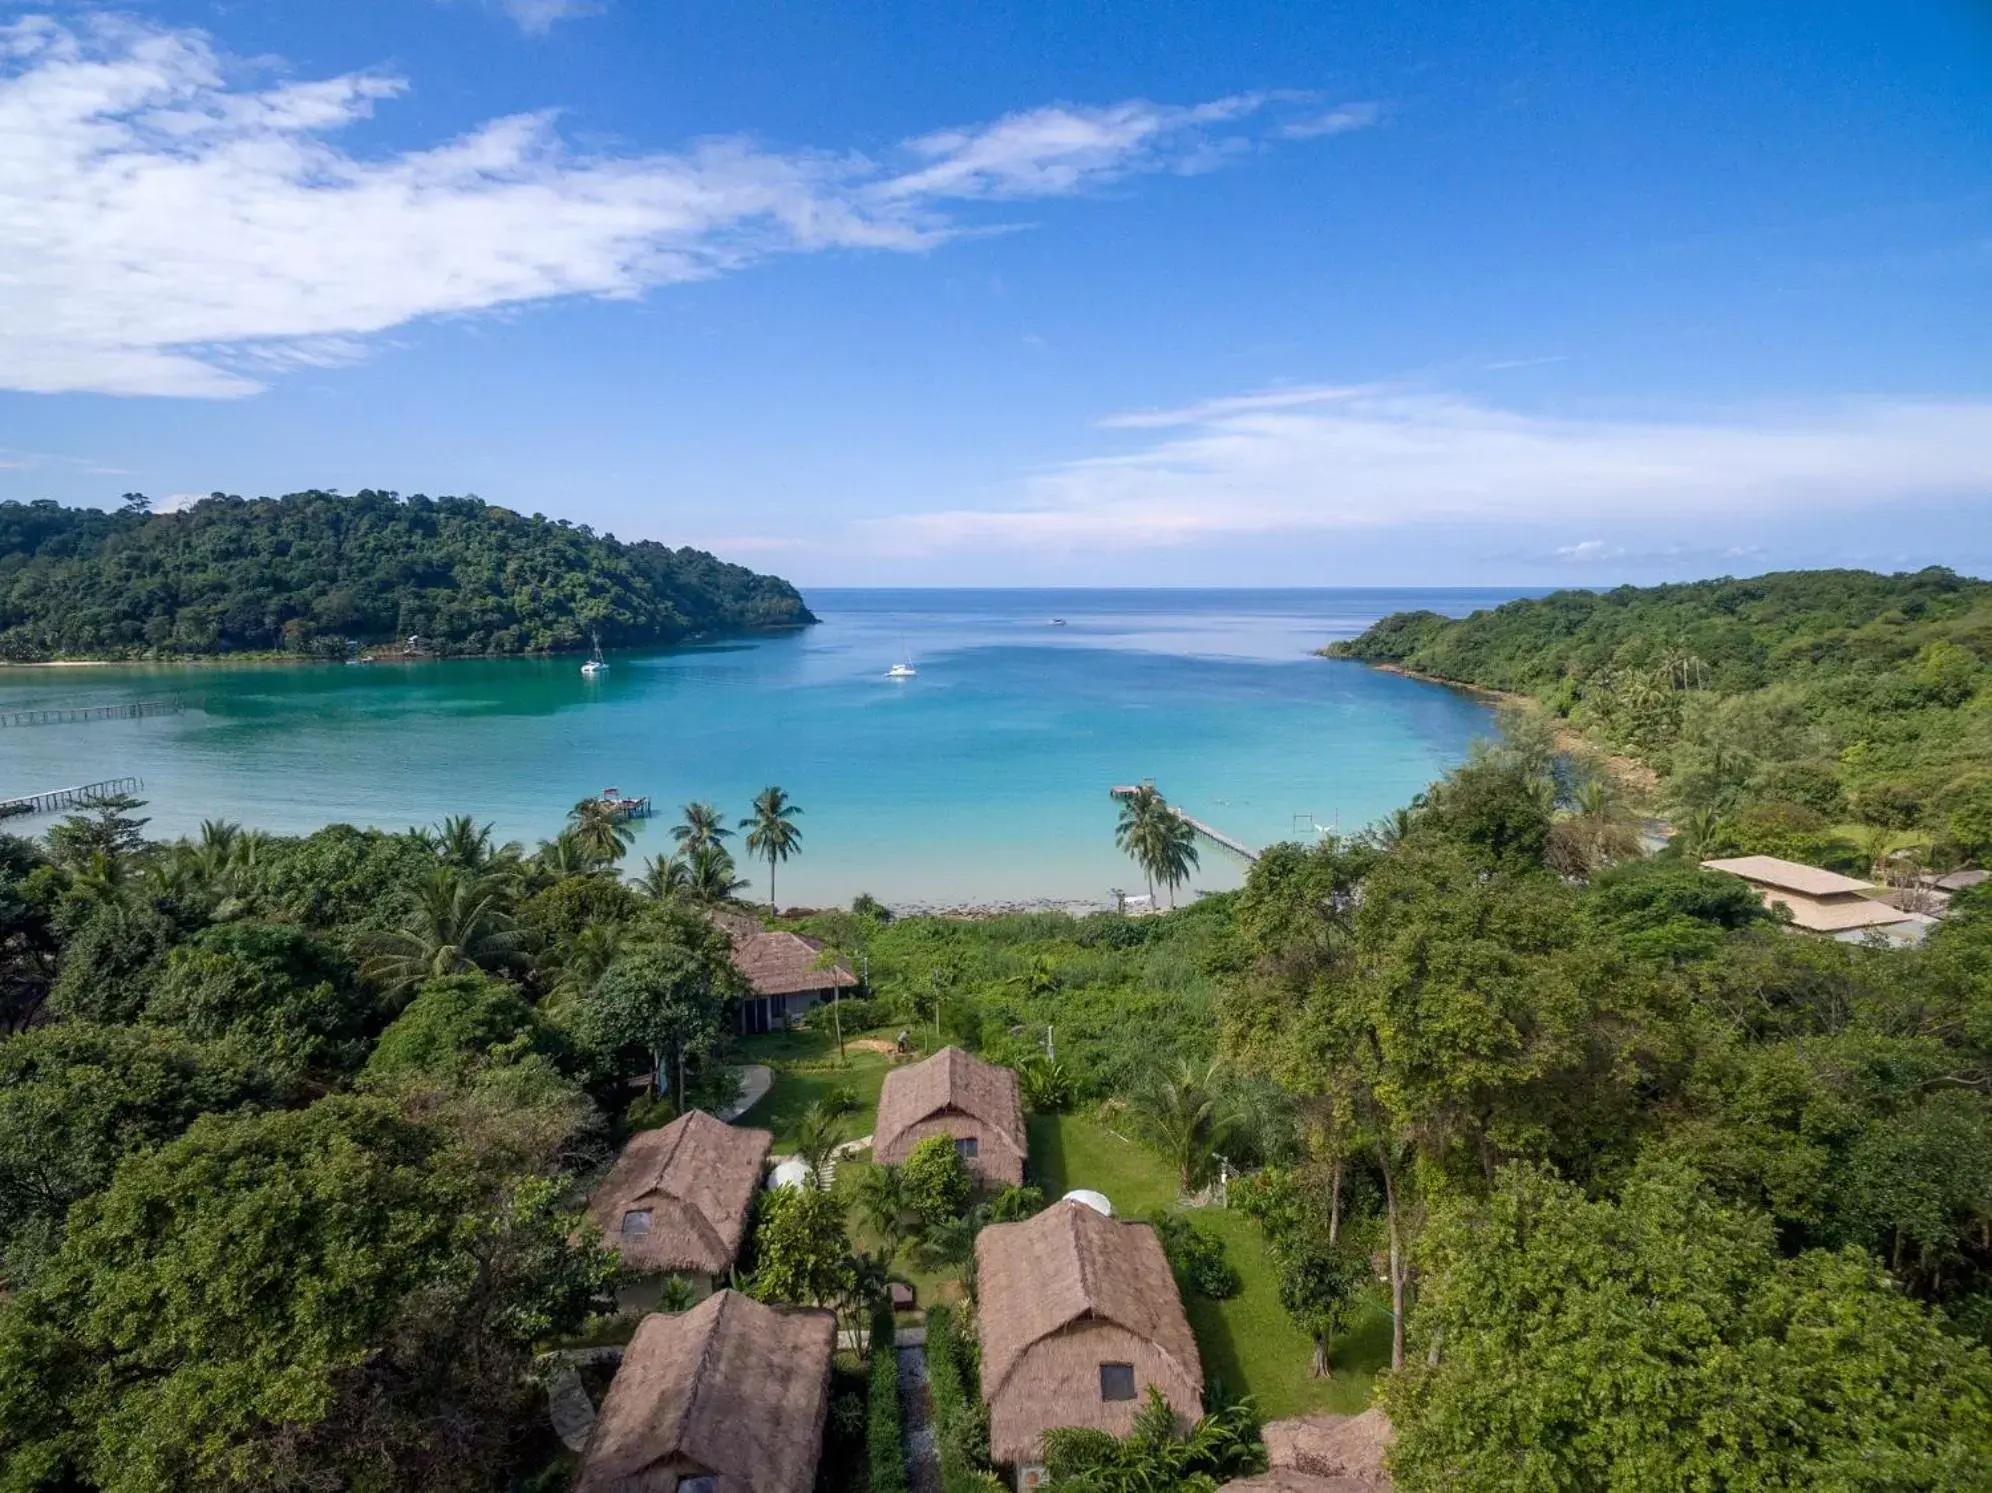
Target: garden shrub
961,1425
937,1184
883,1451
1196,1255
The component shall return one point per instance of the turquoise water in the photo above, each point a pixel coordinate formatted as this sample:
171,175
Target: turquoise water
982,780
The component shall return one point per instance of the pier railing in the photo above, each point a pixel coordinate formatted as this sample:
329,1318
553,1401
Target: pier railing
58,799
69,715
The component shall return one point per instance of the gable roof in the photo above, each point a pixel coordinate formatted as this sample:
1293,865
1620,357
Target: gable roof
951,1079
1790,876
1070,1264
736,1388
783,963
698,1176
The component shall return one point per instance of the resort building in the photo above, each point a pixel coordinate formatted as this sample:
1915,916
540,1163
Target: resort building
729,1397
788,973
1078,1317
1824,902
676,1200
979,1104
1323,1454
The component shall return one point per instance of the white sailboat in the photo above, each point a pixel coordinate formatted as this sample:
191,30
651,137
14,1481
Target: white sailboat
904,668
597,664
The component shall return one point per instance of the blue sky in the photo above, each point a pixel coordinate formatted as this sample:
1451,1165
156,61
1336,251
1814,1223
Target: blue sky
883,293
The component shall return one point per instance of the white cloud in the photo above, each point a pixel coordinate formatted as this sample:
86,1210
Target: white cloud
537,17
1586,550
1337,121
1322,459
166,230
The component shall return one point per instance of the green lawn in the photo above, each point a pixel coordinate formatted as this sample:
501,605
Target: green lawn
805,1071
1248,1342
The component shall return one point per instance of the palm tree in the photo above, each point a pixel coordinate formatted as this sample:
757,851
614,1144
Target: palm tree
598,826
564,855
709,875
1173,843
459,924
701,826
771,832
1186,1119
1134,835
581,966
1393,829
662,879
817,1132
881,1197
462,843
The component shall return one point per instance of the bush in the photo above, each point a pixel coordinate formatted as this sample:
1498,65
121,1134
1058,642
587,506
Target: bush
937,1184
883,1451
961,1426
857,1016
1195,1255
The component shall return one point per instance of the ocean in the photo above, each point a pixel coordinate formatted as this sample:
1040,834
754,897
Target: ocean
982,780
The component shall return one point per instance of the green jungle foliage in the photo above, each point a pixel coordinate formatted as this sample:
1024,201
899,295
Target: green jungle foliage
1774,709
295,1134
310,572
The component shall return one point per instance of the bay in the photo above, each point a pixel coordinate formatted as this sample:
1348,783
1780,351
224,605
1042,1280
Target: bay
981,780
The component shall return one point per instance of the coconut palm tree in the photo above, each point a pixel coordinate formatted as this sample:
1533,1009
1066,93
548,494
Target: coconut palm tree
881,1199
564,856
663,878
710,875
601,830
700,826
771,832
817,1132
581,965
461,842
1173,844
1134,834
1186,1118
1393,829
459,923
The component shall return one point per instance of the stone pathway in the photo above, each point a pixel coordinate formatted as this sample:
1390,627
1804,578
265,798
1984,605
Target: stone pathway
923,1462
755,1081
567,1402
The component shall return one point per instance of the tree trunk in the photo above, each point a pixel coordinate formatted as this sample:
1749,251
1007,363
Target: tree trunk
1396,1261
1318,1369
1335,1200
771,886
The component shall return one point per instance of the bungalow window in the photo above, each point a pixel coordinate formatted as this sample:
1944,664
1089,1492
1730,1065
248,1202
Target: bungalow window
1116,1381
698,1485
967,1147
636,1221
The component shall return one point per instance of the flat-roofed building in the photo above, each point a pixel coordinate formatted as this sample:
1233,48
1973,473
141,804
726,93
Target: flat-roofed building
1824,902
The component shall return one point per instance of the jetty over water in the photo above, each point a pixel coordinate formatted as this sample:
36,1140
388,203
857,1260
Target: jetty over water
57,799
1216,836
69,715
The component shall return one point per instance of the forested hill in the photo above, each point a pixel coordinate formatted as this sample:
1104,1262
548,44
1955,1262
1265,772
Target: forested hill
1821,700
307,572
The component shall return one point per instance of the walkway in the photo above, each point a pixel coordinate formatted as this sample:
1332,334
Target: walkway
923,1461
755,1081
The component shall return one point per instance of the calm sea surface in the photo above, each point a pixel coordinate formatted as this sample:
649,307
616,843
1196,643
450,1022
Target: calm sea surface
984,779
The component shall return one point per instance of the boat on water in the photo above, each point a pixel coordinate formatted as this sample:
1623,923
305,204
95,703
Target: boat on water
597,664
1058,622
901,671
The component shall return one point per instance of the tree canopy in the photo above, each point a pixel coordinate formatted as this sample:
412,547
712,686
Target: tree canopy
311,571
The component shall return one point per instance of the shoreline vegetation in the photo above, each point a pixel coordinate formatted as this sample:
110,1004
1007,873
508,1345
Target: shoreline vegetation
1838,718
328,577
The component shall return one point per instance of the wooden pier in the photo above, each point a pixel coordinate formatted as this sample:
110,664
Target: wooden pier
1216,836
58,799
64,716
636,807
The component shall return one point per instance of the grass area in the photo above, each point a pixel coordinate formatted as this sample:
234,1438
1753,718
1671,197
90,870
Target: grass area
805,1072
1248,1342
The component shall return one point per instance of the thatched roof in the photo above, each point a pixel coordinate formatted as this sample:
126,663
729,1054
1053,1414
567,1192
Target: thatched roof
783,963
1070,1265
696,1178
951,1082
1323,1454
731,1389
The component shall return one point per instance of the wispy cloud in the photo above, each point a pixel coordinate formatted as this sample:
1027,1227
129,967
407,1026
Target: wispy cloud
1585,551
1318,459
537,17
1337,121
165,230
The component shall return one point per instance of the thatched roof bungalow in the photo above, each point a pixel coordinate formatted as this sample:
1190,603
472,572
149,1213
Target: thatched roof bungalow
1078,1317
1323,1454
788,973
729,1397
677,1198
979,1104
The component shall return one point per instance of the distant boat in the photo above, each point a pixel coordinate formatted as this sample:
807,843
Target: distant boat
597,664
1058,622
904,668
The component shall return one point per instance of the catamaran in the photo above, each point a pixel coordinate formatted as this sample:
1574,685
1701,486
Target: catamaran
904,668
